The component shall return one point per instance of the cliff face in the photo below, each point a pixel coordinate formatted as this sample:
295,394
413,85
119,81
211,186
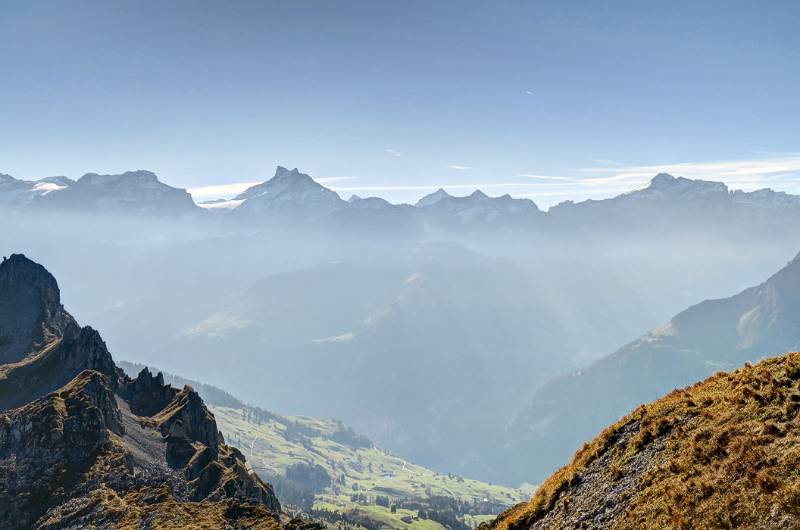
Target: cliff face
81,444
720,454
31,314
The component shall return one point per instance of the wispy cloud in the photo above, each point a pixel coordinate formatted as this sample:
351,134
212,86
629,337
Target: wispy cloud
434,187
530,92
220,190
216,191
395,153
327,180
780,172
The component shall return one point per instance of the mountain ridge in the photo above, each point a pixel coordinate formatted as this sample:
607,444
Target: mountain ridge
83,444
291,197
708,336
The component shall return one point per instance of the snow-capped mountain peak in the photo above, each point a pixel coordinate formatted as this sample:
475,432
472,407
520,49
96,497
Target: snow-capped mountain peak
129,192
292,192
20,193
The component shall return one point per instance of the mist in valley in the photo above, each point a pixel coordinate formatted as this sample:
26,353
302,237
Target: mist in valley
425,329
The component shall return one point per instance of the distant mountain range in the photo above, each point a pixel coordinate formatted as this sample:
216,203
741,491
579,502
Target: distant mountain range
713,335
669,202
290,198
395,313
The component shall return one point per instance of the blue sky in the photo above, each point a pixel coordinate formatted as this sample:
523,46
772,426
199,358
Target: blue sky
551,100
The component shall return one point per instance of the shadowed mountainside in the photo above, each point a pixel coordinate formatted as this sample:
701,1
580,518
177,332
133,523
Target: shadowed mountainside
712,335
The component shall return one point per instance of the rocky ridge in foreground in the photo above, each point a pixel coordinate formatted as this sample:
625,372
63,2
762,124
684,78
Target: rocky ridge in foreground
720,454
83,445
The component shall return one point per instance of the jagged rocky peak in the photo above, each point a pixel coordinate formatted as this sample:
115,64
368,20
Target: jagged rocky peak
147,394
289,193
31,314
433,198
282,173
283,181
85,445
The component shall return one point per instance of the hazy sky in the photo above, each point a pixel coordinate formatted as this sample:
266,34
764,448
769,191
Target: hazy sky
396,98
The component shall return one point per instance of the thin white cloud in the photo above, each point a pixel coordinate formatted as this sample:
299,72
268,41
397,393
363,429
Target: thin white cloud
395,153
326,180
458,167
530,92
220,190
216,191
779,172
434,187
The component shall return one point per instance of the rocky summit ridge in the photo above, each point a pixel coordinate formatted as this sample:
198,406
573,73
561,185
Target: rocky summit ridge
84,445
31,314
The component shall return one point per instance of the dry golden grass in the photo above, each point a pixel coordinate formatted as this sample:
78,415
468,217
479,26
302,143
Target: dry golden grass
155,507
731,456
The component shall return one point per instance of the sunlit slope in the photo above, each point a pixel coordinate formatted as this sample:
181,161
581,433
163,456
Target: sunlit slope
723,453
359,474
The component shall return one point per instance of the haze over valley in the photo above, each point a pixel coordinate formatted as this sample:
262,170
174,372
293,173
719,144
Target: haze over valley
413,265
398,315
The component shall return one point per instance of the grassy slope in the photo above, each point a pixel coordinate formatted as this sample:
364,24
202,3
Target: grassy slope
373,471
723,453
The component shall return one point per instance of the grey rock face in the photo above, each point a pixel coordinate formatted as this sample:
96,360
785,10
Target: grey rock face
31,314
76,431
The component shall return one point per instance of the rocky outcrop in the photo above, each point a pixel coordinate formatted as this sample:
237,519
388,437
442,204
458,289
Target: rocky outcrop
147,394
83,445
47,446
55,365
31,314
